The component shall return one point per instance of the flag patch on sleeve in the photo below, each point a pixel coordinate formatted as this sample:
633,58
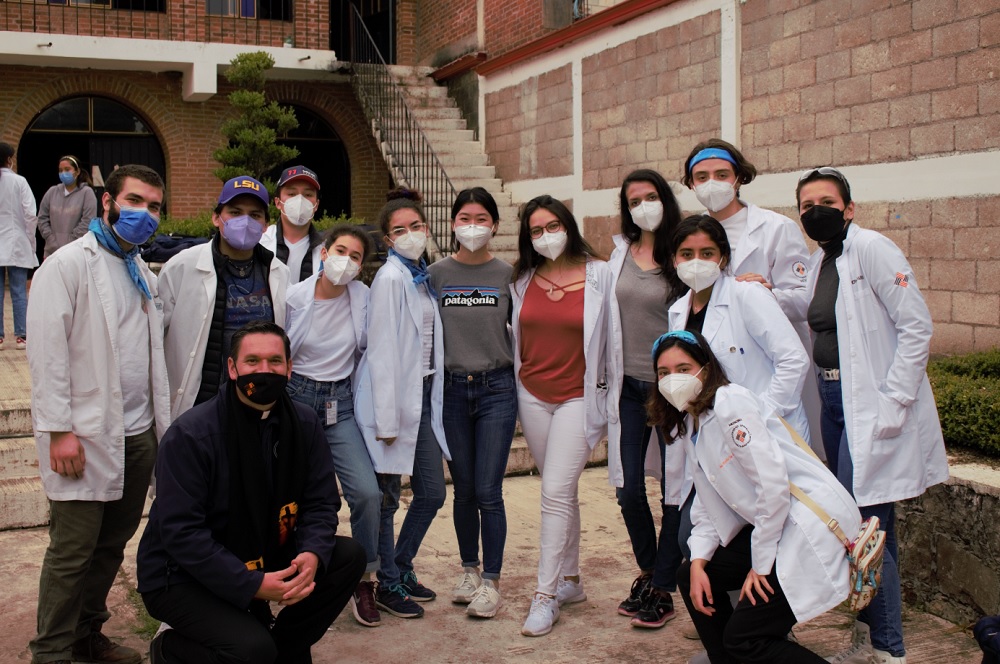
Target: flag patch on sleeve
902,280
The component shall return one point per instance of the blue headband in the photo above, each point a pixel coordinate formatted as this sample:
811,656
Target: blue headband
711,153
683,335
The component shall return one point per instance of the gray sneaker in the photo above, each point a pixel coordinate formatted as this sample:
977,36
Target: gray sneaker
486,601
467,586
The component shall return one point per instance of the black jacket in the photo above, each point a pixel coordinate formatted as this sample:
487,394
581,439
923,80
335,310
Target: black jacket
183,541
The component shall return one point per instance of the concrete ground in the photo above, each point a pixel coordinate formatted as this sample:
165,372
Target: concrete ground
591,631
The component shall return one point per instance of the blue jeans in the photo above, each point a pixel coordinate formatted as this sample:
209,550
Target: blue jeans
480,413
885,614
350,457
427,483
18,298
662,557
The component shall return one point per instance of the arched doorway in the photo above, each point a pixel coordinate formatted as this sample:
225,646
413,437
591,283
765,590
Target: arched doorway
321,149
100,132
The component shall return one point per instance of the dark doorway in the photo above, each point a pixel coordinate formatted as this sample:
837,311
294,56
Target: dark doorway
100,132
380,19
321,150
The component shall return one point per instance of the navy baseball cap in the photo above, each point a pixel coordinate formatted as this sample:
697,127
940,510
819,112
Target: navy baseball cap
298,173
243,185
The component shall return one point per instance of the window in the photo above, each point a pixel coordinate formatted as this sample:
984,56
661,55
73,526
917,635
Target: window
92,115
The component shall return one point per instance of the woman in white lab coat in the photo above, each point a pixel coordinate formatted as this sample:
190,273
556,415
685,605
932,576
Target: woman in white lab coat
399,399
17,242
749,533
644,284
872,332
560,327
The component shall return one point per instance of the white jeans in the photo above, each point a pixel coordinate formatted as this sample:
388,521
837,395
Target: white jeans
555,436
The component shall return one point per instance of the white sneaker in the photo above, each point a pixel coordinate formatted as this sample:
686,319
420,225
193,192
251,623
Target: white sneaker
544,613
570,592
880,657
485,601
860,650
467,586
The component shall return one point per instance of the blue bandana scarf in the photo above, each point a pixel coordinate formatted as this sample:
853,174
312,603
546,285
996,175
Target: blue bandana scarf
418,270
108,240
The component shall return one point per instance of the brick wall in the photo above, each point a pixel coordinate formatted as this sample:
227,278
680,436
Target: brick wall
870,81
189,132
447,30
647,101
531,127
511,24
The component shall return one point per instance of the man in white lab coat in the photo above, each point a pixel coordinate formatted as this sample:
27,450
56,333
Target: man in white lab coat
211,290
100,402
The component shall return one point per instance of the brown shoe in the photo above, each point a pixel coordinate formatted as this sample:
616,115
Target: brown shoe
99,648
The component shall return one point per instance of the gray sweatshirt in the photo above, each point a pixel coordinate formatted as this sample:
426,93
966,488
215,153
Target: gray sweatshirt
64,217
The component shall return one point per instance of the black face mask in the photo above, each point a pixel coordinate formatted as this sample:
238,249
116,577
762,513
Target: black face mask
822,223
262,388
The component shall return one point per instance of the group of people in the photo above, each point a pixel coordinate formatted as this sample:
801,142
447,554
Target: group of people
264,367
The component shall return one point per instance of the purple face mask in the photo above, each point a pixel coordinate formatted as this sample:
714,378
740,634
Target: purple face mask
242,232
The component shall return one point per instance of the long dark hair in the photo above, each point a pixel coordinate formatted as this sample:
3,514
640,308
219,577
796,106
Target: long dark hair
6,152
577,249
663,253
474,195
744,170
713,376
702,223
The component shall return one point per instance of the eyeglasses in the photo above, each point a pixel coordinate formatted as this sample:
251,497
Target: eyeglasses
683,335
419,227
829,171
551,227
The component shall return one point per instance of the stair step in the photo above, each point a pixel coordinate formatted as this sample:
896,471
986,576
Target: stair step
441,124
451,135
437,112
15,417
18,458
425,92
23,503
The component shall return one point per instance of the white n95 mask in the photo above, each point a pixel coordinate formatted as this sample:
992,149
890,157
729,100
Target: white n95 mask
299,210
680,389
715,194
698,273
411,245
648,215
551,245
473,236
340,270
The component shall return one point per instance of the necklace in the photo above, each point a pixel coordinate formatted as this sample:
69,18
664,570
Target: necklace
241,269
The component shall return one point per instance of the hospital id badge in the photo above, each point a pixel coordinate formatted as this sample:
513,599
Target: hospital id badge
331,413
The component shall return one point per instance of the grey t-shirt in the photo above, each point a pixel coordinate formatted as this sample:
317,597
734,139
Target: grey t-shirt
475,309
642,303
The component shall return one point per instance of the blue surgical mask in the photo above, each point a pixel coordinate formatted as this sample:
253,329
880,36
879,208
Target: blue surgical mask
67,177
242,232
134,225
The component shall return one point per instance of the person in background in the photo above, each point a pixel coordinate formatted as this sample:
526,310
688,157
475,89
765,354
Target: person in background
480,400
328,329
750,534
99,403
399,398
214,289
644,284
561,291
294,239
880,425
67,207
17,243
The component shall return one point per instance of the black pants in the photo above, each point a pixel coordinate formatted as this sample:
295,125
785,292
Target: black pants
745,634
208,629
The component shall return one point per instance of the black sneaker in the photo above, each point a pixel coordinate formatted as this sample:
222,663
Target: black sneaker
631,604
156,650
655,611
417,591
394,600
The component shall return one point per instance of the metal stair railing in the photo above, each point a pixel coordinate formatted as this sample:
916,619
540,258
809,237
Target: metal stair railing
409,155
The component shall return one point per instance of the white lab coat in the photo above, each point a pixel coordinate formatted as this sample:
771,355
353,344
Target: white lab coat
884,331
75,377
269,240
595,340
187,288
299,301
17,221
616,375
388,397
745,459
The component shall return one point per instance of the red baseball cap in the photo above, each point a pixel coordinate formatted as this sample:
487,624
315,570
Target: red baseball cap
298,173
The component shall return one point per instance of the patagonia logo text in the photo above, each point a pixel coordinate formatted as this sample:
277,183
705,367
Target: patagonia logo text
470,296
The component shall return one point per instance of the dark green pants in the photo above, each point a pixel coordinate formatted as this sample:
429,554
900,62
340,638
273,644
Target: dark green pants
87,541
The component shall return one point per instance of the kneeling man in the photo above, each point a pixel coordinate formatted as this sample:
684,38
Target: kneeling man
246,515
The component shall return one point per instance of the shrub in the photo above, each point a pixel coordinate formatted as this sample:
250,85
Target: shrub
200,225
967,388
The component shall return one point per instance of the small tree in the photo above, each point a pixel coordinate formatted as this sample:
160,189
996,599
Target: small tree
253,148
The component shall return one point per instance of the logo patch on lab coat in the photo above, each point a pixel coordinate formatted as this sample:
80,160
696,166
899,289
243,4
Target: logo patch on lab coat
902,280
741,436
799,268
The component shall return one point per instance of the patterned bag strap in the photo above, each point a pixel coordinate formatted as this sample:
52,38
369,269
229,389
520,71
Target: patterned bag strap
803,498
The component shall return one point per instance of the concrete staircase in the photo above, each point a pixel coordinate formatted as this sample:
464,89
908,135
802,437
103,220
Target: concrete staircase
22,500
459,152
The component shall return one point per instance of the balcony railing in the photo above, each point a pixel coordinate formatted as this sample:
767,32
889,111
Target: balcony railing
250,22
